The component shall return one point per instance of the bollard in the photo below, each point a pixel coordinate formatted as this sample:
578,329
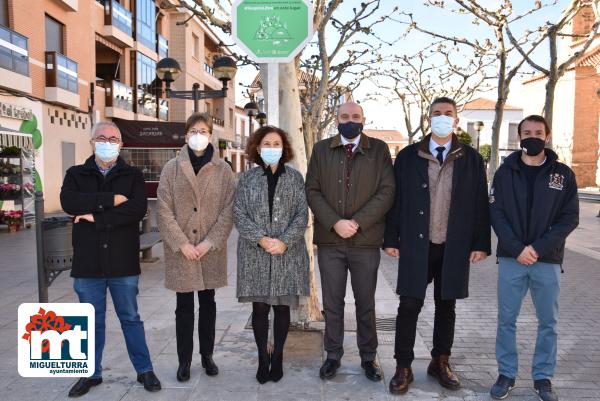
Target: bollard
39,240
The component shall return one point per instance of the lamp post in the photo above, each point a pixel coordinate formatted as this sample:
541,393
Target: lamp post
478,127
168,70
251,110
261,118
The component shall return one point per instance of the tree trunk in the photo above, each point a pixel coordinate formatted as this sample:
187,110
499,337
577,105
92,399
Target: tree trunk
497,124
290,120
549,104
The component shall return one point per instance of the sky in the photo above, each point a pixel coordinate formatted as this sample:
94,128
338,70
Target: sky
386,114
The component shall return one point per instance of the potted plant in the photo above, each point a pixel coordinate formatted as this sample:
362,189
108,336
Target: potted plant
9,191
13,219
10,151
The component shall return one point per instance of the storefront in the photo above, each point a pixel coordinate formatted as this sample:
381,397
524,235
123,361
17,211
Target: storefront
149,145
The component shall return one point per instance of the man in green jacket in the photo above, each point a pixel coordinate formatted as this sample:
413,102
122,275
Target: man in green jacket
350,187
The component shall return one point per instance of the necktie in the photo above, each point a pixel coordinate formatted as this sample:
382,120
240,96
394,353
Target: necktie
349,147
440,154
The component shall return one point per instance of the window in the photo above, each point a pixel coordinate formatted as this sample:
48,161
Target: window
513,136
243,128
4,12
208,108
14,53
54,35
150,161
196,48
145,73
145,23
231,117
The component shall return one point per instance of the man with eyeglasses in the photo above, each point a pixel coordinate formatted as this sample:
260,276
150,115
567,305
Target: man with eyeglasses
107,199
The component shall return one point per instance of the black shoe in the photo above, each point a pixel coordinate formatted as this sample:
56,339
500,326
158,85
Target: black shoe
543,388
183,372
372,370
209,366
329,368
82,386
276,372
262,373
149,380
502,387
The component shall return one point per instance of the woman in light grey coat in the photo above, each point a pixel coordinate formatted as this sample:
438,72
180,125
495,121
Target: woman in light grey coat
271,214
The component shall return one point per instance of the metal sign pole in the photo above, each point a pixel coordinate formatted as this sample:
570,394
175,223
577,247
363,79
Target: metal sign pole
273,94
39,240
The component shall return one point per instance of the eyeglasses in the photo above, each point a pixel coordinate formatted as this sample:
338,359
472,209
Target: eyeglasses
113,139
198,131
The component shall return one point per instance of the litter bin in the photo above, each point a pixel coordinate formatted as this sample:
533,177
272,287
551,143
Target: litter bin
58,249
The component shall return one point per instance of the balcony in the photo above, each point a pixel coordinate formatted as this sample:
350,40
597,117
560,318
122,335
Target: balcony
14,59
218,121
163,109
69,5
146,103
118,23
209,69
62,83
119,100
162,46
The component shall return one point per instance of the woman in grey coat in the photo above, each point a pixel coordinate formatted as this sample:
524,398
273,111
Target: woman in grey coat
271,214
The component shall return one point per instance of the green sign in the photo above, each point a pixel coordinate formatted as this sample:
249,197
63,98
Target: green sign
272,31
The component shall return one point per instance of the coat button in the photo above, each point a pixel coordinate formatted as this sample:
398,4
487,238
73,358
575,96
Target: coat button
420,235
104,246
100,206
194,231
423,185
339,201
275,219
277,199
421,212
195,210
339,180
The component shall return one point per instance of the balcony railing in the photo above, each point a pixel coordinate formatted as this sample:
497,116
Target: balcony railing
119,95
14,52
218,121
162,46
163,109
118,16
209,69
146,101
61,72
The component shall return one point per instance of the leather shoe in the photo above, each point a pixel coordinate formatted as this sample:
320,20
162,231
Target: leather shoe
372,370
149,380
183,372
439,367
82,386
329,368
401,380
543,388
209,365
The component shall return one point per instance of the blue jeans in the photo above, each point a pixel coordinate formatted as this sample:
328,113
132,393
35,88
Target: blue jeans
514,279
123,291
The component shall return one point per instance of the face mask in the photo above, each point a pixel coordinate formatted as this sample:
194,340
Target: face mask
532,146
350,130
106,151
198,142
442,126
271,156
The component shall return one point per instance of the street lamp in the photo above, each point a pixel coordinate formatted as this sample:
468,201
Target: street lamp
261,118
251,109
168,70
478,127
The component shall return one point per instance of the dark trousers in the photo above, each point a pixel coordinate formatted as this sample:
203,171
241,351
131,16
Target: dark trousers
408,314
334,264
184,324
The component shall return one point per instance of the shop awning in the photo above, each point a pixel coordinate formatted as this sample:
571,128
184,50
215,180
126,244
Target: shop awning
9,137
151,134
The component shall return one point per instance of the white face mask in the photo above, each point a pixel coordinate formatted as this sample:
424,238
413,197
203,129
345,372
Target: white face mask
198,142
442,126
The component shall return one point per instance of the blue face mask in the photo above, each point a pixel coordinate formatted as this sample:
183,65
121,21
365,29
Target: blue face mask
442,126
106,151
271,156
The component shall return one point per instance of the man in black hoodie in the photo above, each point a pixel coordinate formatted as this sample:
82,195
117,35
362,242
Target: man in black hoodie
533,208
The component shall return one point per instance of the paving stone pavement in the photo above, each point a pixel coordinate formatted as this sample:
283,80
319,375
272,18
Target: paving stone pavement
577,378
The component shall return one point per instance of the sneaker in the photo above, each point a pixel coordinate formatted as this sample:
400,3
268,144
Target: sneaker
502,387
543,388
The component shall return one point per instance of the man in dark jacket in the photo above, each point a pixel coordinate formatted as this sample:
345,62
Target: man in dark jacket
107,199
534,207
350,187
439,224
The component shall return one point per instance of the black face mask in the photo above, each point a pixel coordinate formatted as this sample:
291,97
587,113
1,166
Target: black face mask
533,146
350,130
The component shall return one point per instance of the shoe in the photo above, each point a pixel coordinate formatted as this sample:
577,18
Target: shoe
439,368
183,372
82,386
502,387
372,370
149,380
401,380
543,388
262,373
209,366
329,368
276,372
